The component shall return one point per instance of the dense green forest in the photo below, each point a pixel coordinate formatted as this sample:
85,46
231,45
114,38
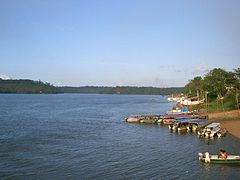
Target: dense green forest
26,86
122,90
29,86
219,87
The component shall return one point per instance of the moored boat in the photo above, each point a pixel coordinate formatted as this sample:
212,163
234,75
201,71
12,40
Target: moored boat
148,121
189,102
143,118
212,129
167,121
135,118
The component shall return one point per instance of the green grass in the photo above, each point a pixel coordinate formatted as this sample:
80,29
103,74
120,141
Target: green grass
229,103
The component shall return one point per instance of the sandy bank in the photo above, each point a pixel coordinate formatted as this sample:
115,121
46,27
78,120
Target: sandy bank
229,120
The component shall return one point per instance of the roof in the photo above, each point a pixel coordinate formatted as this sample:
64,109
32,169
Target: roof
212,125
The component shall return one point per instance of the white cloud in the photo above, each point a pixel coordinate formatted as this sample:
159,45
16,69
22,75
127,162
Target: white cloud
202,68
4,77
167,66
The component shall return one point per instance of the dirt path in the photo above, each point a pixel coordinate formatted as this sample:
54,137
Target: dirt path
229,120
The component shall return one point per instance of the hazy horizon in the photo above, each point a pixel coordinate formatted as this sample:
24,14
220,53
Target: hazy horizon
117,43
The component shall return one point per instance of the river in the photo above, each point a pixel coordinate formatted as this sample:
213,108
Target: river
84,136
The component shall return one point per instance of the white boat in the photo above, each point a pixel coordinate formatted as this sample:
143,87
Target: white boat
189,102
212,129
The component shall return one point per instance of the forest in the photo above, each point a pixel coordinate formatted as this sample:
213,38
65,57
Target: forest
122,90
26,86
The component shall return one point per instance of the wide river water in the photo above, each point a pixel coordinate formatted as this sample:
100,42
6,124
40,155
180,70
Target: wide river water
84,136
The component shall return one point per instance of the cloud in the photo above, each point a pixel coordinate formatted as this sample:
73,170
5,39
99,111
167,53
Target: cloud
4,77
202,68
167,66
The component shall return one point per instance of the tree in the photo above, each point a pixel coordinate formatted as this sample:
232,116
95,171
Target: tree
194,87
237,85
237,76
218,82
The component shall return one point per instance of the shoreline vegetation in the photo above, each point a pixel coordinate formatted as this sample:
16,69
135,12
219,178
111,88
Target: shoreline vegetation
219,88
221,91
26,86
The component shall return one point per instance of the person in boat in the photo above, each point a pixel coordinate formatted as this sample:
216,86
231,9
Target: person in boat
222,154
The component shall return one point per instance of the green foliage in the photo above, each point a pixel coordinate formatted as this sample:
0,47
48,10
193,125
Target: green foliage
194,87
121,90
217,81
29,86
221,87
26,86
237,76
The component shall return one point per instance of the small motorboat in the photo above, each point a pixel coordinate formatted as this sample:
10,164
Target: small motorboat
212,129
207,158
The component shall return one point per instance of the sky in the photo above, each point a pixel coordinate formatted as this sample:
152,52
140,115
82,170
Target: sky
160,43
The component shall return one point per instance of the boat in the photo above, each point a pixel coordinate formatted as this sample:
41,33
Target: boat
150,118
189,102
187,124
179,110
212,129
207,158
195,123
148,121
143,118
173,127
168,121
134,118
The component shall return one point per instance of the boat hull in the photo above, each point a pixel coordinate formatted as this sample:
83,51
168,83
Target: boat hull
231,159
147,121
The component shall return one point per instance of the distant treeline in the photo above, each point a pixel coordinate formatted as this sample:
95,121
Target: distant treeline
121,90
26,86
30,86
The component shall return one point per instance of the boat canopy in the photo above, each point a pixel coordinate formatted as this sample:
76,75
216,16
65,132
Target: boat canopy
212,125
197,120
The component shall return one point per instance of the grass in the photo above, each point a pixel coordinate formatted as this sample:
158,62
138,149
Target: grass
229,103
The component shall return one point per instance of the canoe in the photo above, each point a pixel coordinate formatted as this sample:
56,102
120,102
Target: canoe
133,119
231,159
145,118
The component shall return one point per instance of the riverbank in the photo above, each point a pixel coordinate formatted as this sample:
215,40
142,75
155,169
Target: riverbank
229,120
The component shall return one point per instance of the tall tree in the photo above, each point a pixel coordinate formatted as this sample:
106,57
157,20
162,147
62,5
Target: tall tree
194,87
218,81
237,76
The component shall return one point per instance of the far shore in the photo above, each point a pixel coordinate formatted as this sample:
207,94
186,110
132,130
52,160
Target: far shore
229,120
